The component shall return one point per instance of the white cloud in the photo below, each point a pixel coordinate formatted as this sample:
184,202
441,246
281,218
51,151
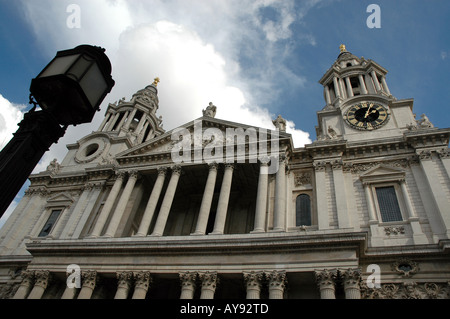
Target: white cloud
197,49
10,115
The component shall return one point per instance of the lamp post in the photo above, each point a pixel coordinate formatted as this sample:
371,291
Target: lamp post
69,91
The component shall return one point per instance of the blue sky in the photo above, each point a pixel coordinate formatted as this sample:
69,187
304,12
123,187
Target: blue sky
253,59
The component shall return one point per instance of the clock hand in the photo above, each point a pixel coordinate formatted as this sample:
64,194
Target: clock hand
368,111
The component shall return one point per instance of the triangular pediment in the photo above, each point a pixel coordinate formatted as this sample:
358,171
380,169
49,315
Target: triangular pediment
202,132
382,173
60,198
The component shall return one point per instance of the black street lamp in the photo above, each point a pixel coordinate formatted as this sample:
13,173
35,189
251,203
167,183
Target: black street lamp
69,91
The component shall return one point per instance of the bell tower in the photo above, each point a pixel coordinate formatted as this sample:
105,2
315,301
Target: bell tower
126,124
358,102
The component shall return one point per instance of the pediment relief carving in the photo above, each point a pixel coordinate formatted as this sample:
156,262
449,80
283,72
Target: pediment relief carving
381,173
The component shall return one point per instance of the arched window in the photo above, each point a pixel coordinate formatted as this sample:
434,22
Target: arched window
303,210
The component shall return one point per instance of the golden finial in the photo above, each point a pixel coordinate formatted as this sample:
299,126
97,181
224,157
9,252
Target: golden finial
342,48
155,83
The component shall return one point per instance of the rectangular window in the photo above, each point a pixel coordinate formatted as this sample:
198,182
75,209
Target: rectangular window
388,204
50,223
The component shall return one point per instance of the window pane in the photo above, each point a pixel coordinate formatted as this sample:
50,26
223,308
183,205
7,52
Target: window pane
49,224
387,201
303,210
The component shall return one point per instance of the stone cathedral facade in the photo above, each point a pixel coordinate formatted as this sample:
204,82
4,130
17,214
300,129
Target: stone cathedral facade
362,212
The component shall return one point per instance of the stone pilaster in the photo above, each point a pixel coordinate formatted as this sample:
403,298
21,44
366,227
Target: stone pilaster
25,285
187,281
142,284
277,283
326,280
351,279
253,283
90,279
209,284
123,284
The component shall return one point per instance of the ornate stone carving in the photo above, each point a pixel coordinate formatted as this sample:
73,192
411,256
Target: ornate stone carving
405,267
424,155
176,169
320,166
276,278
443,153
188,279
393,230
54,167
162,170
209,280
253,279
302,179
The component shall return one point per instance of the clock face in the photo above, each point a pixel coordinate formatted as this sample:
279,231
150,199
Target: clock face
367,116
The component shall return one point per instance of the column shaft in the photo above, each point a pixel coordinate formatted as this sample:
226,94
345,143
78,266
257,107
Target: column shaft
167,202
152,202
41,283
120,209
280,197
326,282
362,84
224,198
108,205
352,279
261,198
205,207
370,204
349,87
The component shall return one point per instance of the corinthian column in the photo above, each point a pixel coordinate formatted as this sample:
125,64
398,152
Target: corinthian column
108,205
143,280
326,282
261,198
115,220
209,284
352,278
167,202
277,283
123,285
280,196
205,207
224,197
25,285
152,202
187,280
41,283
253,282
90,279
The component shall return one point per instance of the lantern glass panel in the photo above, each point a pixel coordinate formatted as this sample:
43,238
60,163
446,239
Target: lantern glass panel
80,67
59,65
94,85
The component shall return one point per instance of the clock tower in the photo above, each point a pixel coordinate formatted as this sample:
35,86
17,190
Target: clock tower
359,104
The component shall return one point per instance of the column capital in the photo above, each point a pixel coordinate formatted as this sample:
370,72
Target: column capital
351,276
162,170
213,166
209,279
42,278
326,278
229,166
142,279
120,174
277,278
176,169
124,279
253,279
27,277
264,160
133,173
188,278
90,278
